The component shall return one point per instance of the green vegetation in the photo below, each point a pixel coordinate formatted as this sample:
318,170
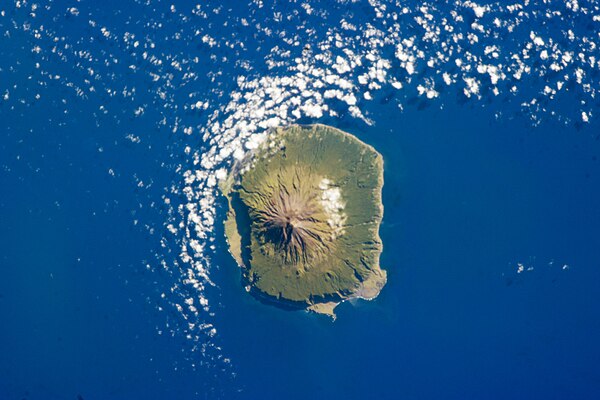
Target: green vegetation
304,216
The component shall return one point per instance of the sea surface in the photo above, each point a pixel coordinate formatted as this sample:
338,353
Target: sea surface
118,119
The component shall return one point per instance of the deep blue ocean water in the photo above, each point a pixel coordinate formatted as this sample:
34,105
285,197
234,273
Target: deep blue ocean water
468,198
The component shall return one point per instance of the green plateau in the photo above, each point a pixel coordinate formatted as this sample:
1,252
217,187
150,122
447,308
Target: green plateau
303,220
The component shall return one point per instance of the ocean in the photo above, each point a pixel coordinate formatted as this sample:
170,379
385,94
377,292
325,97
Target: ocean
116,279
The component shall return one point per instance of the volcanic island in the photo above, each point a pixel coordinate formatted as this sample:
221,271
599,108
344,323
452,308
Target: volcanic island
303,220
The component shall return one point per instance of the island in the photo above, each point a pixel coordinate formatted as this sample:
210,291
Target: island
303,218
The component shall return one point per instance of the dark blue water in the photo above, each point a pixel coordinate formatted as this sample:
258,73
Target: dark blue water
465,202
467,198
